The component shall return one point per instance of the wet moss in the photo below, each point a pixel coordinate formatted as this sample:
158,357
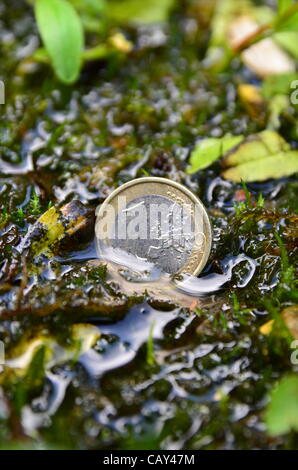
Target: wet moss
213,368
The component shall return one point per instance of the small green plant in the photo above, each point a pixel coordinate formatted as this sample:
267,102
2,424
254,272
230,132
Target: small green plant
285,19
281,25
242,206
288,282
150,347
260,201
3,217
239,208
62,33
34,205
241,314
62,25
248,203
19,217
99,273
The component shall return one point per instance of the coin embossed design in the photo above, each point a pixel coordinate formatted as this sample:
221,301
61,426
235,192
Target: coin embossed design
156,220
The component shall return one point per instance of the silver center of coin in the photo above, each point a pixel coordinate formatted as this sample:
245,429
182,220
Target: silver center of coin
156,222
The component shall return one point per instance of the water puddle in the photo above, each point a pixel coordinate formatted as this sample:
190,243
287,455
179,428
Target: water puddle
130,334
134,273
121,341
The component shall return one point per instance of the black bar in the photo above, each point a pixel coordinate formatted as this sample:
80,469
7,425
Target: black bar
139,458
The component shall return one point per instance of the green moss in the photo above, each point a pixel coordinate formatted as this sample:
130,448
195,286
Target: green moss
125,119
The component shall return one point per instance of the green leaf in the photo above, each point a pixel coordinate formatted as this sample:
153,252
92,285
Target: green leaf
288,41
137,11
283,5
256,147
291,24
260,157
275,166
92,14
278,85
62,34
288,21
150,346
90,6
101,51
282,411
209,150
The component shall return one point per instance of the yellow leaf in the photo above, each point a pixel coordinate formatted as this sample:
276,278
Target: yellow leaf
252,99
267,327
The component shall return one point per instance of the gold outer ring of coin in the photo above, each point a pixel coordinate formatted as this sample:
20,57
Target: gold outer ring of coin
197,259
